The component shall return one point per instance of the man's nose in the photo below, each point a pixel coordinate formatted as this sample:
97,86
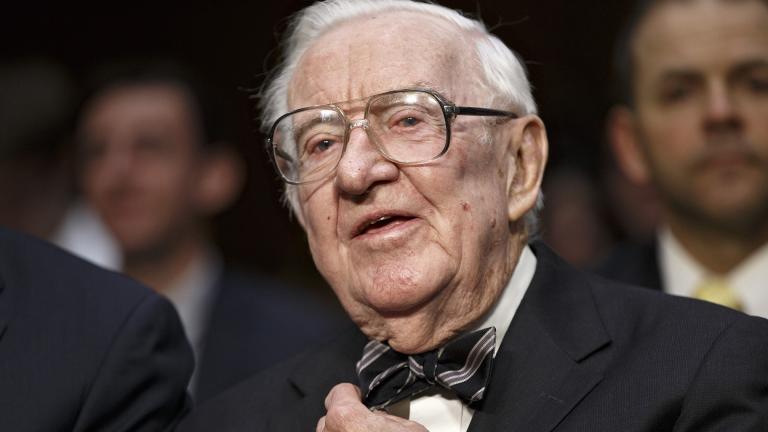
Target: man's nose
362,166
721,112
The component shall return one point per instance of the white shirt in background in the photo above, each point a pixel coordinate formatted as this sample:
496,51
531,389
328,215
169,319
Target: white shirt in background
681,274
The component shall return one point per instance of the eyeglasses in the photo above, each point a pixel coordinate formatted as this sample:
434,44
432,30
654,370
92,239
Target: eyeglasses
407,127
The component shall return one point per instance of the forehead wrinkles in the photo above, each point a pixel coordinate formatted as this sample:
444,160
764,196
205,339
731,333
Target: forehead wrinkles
373,54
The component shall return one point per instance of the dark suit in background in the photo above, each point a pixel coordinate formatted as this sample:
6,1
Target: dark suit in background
255,322
635,264
84,349
581,354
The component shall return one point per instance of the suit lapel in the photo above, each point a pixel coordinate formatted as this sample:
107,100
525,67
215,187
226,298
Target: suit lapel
314,377
550,358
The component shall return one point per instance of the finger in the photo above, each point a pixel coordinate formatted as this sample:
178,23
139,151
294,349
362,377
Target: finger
342,394
345,412
350,417
320,425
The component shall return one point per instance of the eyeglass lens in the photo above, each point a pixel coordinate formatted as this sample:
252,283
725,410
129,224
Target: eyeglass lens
407,127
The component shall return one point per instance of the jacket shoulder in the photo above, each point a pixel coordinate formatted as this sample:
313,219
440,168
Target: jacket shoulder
290,393
110,338
44,271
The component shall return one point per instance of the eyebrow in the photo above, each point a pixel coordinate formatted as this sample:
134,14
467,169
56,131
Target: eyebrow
694,73
748,66
679,73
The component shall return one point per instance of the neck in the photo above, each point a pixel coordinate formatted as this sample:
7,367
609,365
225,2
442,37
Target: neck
719,251
455,311
161,268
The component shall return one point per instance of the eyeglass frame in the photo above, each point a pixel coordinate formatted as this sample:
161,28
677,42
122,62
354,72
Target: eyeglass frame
450,112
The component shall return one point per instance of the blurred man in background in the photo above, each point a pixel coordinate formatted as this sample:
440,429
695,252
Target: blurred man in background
37,188
155,168
694,123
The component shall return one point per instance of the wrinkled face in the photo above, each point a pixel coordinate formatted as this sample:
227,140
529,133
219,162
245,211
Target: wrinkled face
702,109
413,253
140,149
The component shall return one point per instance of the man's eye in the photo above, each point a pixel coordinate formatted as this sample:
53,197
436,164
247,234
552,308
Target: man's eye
323,145
153,146
753,80
675,93
319,146
408,122
758,84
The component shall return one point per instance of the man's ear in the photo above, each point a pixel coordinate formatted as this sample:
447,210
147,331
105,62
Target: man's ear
220,180
625,143
527,156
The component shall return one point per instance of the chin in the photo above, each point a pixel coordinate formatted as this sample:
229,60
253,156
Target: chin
400,290
398,303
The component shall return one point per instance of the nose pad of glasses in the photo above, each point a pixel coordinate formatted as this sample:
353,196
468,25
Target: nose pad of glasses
359,123
363,124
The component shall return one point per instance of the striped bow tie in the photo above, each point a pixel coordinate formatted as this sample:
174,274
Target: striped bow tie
463,365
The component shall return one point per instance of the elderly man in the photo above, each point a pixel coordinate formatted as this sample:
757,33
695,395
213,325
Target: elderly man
693,124
409,140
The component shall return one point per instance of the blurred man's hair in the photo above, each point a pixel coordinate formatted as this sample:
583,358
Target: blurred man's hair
205,105
624,56
37,98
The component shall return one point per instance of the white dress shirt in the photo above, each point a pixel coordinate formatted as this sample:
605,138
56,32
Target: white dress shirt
441,411
84,234
192,295
681,274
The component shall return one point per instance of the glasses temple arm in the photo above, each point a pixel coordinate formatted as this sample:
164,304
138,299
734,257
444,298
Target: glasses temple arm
476,111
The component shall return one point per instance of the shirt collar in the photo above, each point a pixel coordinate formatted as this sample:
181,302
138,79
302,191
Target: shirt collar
681,274
748,279
501,313
191,294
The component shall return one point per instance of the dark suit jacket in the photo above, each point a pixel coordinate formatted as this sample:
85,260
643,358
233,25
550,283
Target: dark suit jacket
254,323
635,264
579,355
84,349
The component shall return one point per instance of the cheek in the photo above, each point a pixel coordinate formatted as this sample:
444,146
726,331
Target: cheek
672,139
98,174
169,188
93,181
319,217
757,132
471,204
320,226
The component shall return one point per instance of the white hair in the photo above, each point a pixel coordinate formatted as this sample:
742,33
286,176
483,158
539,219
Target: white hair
503,75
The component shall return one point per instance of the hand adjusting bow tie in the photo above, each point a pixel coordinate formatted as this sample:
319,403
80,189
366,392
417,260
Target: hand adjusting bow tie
463,365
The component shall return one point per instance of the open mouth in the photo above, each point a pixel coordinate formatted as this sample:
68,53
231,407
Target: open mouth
381,223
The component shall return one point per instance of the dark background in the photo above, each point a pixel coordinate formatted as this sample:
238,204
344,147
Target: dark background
567,46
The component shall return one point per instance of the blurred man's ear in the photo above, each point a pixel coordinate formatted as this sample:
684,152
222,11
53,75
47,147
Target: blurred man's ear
528,152
221,180
626,144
